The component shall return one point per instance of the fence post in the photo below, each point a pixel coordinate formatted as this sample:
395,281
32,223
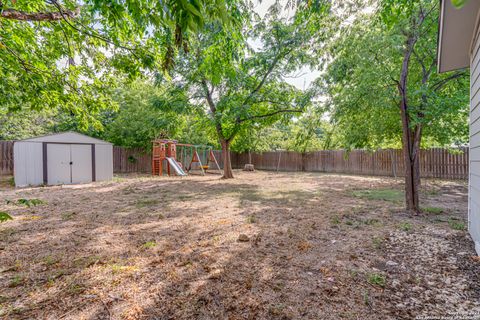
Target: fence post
394,162
279,158
303,161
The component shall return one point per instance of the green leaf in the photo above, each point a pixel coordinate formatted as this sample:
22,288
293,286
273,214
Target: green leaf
459,3
5,216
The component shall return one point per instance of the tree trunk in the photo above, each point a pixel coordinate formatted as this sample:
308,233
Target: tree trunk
409,189
410,138
411,152
227,163
225,143
416,167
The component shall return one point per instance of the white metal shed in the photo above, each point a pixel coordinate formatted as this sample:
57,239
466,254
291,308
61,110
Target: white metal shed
64,158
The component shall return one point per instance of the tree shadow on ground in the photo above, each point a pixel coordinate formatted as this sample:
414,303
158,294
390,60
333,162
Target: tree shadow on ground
169,249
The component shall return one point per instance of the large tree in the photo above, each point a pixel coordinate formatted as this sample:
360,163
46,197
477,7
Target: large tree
385,89
241,88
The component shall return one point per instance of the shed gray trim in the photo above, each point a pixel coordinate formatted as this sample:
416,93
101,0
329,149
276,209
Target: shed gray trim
39,139
45,159
93,163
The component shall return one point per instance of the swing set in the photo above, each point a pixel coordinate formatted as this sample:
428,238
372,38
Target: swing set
183,159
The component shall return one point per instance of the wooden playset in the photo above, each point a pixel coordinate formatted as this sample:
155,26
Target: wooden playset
182,159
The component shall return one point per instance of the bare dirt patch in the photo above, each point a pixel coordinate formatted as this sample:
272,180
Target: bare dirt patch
262,246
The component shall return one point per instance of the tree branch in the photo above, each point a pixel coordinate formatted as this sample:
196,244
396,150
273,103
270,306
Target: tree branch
71,59
65,17
13,14
420,60
265,76
28,67
278,103
269,114
213,110
25,65
208,96
441,83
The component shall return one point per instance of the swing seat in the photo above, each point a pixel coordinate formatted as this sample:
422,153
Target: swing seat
205,167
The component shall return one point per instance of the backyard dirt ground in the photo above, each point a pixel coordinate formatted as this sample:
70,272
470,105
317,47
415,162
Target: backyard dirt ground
261,246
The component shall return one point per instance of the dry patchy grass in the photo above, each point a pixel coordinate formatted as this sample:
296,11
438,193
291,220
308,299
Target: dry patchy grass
317,246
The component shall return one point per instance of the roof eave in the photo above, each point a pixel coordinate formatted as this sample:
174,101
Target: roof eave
455,35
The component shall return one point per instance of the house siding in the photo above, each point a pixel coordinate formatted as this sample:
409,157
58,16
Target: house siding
474,177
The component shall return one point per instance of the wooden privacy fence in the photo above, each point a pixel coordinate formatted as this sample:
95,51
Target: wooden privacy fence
137,160
434,163
6,157
127,160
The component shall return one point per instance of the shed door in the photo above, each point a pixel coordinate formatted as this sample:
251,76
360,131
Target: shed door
58,164
81,163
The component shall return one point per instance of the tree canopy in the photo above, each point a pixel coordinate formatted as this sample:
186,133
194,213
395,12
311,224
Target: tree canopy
240,88
362,82
73,54
384,86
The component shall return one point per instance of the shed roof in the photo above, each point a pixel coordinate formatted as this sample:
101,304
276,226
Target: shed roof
66,137
456,31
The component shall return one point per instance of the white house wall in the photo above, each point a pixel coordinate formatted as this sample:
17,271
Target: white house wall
28,163
104,162
474,181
